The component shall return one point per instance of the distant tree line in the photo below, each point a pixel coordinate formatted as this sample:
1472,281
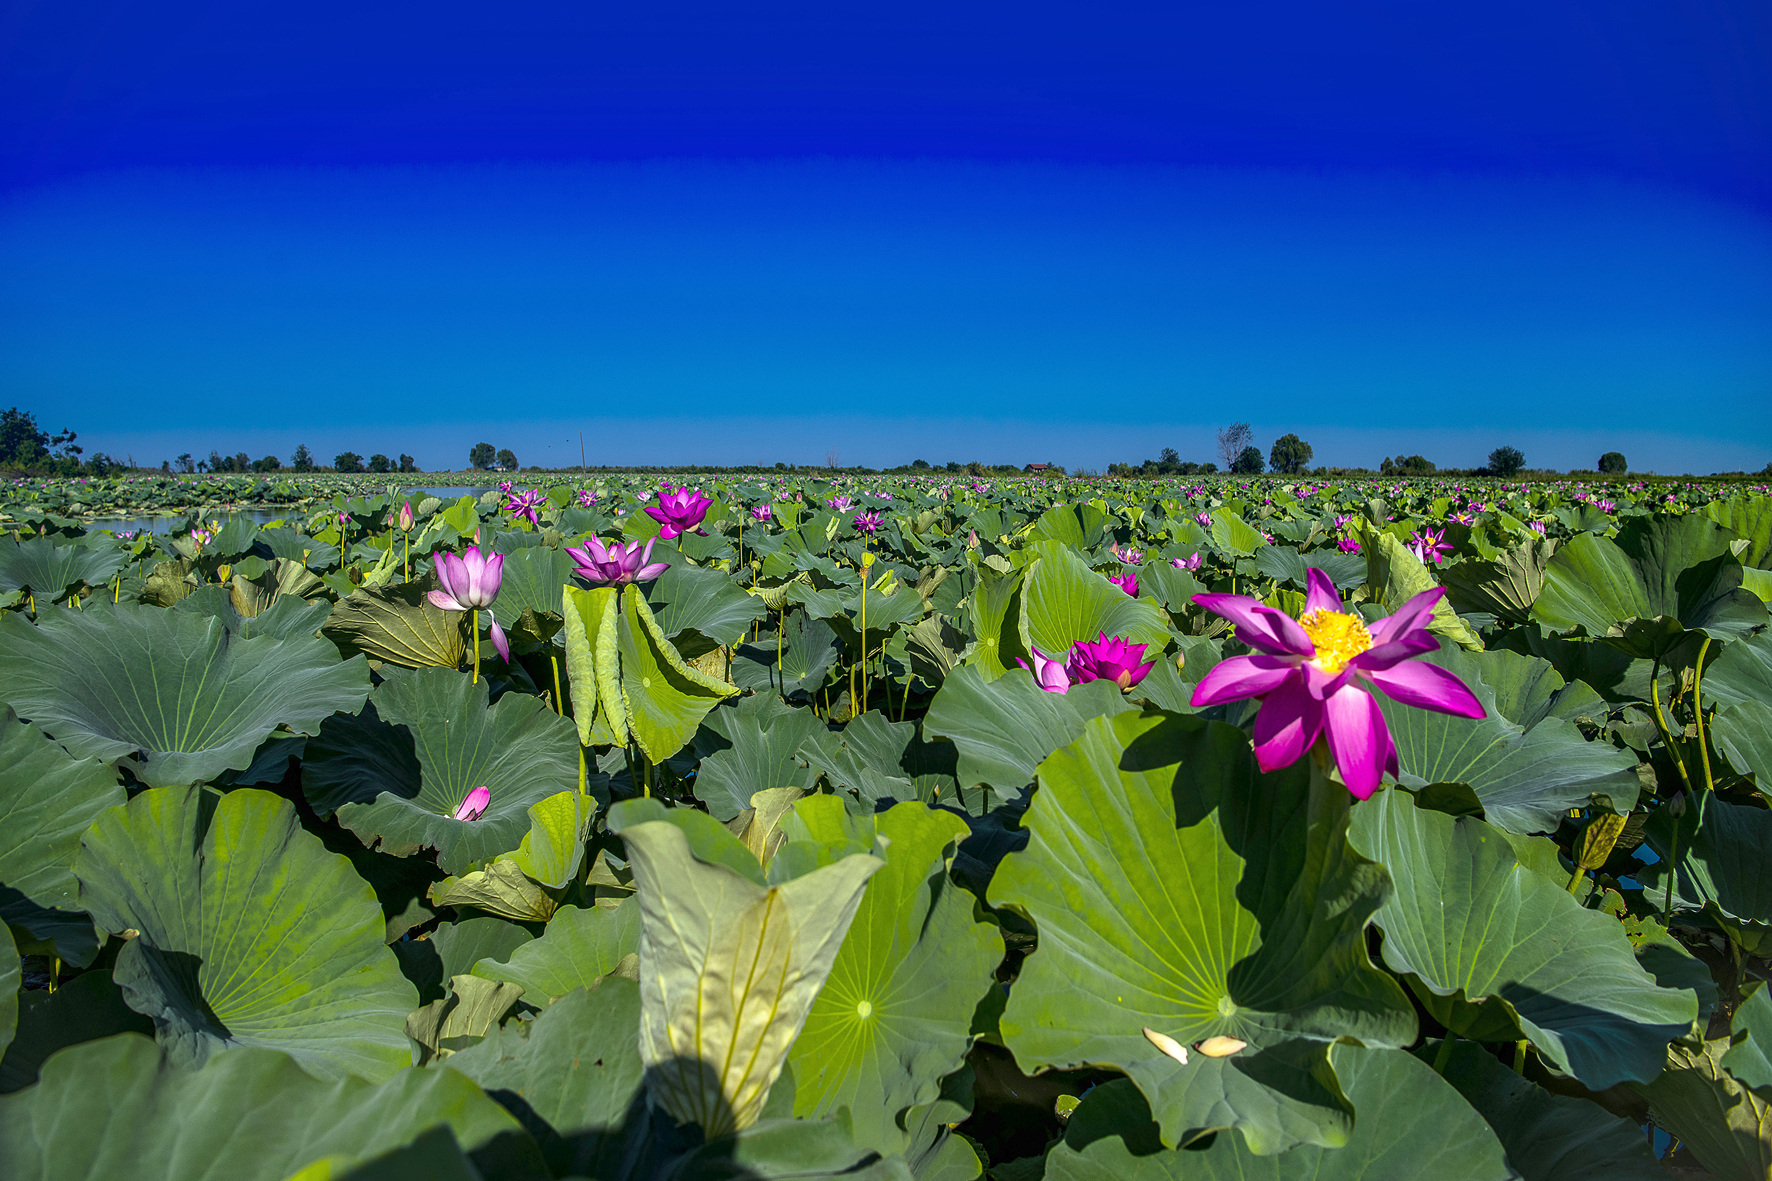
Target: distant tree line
301,461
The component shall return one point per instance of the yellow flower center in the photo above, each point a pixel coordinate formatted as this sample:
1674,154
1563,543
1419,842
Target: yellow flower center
1339,636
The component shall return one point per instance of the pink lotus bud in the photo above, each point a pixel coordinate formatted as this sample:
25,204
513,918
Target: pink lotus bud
406,517
472,807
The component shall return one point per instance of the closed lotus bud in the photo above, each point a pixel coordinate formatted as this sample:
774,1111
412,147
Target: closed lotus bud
472,807
1677,806
406,517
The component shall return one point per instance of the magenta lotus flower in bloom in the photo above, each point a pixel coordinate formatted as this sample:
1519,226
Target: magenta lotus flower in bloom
525,504
469,583
1309,673
867,522
586,497
762,513
841,503
1109,658
1205,519
1189,563
1127,582
1348,545
505,485
475,805
1429,545
1049,674
615,564
678,510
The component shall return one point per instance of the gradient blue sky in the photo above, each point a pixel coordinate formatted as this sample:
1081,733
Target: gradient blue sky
701,234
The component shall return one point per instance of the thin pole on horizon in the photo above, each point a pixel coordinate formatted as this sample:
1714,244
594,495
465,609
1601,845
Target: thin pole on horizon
583,471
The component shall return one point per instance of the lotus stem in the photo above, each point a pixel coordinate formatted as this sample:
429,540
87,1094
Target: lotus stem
1698,713
1520,1056
1661,722
905,706
55,972
1444,1056
476,645
554,660
1673,868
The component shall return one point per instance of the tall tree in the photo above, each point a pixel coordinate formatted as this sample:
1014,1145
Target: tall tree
1231,442
1505,461
347,461
1289,454
1613,463
408,464
482,456
1248,462
507,459
380,463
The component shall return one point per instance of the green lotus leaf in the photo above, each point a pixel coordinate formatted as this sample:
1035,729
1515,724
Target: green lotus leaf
1412,1126
1749,1056
397,625
1396,576
250,932
1177,890
878,759
937,1152
472,1006
47,798
115,1108
579,948
1547,1137
728,967
434,1156
534,579
50,571
808,648
1726,1125
934,648
84,1009
1003,728
437,721
1662,578
895,1016
577,1071
695,598
593,664
1469,920
1232,535
1743,735
999,621
1749,518
1526,778
1720,864
1282,563
1081,526
1066,602
664,699
1742,673
765,738
1506,587
174,691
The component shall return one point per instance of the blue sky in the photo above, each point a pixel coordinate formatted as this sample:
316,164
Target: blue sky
705,235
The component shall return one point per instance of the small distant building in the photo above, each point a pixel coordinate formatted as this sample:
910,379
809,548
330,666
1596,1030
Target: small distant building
1037,467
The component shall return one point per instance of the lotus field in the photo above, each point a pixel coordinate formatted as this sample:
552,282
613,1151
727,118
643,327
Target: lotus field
1091,830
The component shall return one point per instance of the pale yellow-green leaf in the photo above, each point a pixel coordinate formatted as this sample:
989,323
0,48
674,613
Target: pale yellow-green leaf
1396,576
665,699
593,665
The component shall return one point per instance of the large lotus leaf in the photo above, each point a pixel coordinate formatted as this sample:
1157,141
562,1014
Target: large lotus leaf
1749,518
807,649
534,579
1547,1137
575,1072
1743,735
176,691
1526,778
1749,1056
1725,1125
1176,889
1081,526
1397,575
47,798
664,698
84,1009
1742,673
1005,727
397,625
728,967
297,546
686,598
999,621
524,884
879,759
1662,578
517,747
1469,920
764,743
1283,563
1412,1126
1233,535
249,932
579,947
1066,601
1721,863
895,1016
1506,587
51,571
289,617
114,1108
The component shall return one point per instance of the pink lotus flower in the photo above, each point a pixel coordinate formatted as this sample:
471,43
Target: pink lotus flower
1429,546
1348,545
678,510
1188,563
505,485
405,520
615,564
470,583
1127,582
841,504
867,522
1130,556
1204,519
586,498
1309,674
474,806
525,504
1049,674
1109,658
762,513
